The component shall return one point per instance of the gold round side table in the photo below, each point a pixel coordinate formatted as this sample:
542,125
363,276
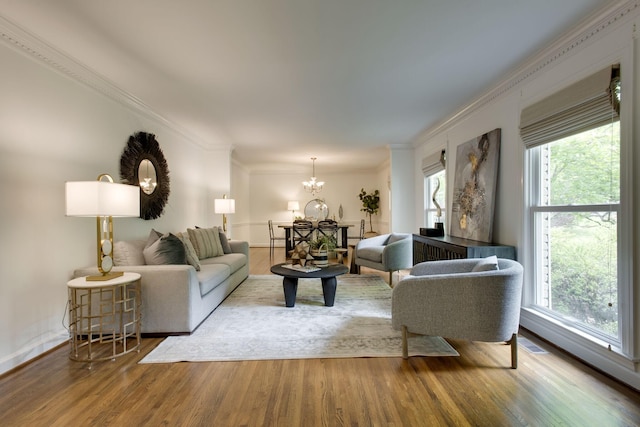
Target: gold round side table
104,317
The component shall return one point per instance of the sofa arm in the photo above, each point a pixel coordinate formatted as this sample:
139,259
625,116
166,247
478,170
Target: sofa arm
398,255
168,296
142,269
239,247
380,240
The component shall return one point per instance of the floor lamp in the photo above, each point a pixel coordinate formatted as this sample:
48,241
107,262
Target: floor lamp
224,206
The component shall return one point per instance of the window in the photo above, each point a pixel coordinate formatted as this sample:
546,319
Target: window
435,188
575,226
574,192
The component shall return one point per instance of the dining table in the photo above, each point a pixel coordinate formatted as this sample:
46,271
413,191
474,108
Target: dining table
288,236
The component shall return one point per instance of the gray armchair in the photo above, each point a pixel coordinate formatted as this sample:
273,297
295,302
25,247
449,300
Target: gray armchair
449,299
387,252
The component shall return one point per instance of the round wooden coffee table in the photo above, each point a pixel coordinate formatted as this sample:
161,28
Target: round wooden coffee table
326,274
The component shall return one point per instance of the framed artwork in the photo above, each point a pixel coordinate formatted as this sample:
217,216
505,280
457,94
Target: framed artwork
475,187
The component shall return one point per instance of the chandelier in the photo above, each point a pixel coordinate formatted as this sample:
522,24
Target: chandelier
313,186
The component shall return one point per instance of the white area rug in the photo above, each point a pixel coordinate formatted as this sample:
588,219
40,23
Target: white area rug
254,324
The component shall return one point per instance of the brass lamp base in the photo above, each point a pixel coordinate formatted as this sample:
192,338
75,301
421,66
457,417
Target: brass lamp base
104,277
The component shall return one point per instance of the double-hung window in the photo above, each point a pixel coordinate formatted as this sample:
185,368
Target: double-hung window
435,188
572,142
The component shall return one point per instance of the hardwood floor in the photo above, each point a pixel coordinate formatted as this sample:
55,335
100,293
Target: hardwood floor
477,388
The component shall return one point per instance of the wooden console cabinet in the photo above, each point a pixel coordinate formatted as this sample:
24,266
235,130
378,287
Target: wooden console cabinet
449,247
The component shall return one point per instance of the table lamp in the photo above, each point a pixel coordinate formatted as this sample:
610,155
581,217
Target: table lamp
293,206
103,200
224,206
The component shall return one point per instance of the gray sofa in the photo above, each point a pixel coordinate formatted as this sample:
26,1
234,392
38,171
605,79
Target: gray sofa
176,298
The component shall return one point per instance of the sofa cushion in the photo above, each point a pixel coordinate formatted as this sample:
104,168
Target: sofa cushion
371,253
234,261
486,264
224,242
206,242
127,253
190,251
211,276
168,249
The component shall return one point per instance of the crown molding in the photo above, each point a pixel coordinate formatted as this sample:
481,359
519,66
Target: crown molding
399,146
36,48
595,25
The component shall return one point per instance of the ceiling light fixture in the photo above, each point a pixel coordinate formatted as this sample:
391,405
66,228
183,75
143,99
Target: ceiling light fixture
313,186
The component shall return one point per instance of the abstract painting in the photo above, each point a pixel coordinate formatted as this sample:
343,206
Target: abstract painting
475,187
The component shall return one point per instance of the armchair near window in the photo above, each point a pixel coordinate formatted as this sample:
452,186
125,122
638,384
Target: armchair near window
387,252
461,299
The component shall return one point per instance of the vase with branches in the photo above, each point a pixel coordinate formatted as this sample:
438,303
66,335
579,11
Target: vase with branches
370,204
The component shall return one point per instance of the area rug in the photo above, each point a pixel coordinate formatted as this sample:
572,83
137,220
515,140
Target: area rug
254,324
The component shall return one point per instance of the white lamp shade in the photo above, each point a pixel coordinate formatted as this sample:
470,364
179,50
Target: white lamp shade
293,205
99,198
224,206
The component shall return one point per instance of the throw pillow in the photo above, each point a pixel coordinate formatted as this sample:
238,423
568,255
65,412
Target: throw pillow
486,264
206,242
224,242
153,236
190,251
128,252
168,249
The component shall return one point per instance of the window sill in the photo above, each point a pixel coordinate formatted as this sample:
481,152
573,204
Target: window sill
594,352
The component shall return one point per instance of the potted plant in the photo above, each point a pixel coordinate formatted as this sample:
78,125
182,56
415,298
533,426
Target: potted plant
320,248
370,205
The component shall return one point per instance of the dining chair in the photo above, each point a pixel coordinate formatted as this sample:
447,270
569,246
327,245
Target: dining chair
361,235
328,227
302,231
272,240
352,246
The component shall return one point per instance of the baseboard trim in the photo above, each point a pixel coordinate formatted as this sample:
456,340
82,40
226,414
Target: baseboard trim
27,355
597,356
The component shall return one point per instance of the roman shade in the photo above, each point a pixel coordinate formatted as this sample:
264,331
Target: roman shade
434,163
585,105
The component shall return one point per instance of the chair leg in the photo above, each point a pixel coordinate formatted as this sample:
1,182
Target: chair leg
391,279
405,344
514,351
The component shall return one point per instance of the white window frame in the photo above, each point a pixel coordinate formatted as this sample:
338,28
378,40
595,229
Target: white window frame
574,339
428,203
536,207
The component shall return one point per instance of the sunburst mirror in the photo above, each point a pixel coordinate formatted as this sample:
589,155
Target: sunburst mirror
143,164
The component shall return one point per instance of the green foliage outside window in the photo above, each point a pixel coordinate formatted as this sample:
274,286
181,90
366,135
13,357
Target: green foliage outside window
584,170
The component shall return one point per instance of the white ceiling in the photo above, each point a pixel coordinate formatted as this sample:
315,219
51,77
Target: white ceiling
284,80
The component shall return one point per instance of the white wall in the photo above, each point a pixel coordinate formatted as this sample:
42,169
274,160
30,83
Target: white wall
269,192
239,223
54,129
402,190
600,43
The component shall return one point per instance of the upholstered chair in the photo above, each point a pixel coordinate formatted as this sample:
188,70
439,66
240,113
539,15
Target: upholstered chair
470,299
386,252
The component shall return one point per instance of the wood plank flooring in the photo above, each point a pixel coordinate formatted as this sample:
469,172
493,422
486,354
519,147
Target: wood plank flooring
475,389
